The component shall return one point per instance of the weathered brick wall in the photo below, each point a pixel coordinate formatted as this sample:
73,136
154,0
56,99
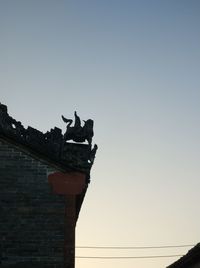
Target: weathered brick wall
31,216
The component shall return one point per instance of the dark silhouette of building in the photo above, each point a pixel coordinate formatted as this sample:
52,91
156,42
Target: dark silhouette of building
43,181
190,260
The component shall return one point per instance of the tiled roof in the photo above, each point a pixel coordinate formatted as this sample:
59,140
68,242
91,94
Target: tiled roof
191,258
51,145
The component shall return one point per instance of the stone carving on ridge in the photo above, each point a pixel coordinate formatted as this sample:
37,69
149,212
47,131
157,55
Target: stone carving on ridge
78,133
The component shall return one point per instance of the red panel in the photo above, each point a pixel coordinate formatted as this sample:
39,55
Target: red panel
71,183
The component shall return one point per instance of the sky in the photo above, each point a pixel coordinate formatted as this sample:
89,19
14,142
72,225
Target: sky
134,68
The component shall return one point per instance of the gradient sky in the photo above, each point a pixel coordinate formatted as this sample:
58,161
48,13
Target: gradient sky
133,67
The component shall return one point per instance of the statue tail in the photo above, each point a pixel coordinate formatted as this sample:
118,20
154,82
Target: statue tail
67,121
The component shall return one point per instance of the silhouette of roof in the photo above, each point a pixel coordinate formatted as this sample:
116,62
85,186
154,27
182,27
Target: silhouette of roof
50,146
191,258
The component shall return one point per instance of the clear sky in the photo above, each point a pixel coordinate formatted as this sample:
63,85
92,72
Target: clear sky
133,67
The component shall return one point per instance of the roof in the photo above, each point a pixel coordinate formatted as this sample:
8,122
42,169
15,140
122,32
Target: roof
51,146
191,258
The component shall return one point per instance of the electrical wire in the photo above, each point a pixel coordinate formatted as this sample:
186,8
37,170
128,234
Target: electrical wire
128,257
147,247
132,247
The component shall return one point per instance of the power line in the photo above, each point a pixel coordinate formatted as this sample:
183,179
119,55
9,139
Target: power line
147,247
128,257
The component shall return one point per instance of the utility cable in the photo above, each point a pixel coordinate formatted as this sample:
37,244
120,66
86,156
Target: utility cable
128,257
147,247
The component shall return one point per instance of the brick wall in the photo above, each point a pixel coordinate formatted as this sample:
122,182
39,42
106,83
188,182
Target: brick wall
31,216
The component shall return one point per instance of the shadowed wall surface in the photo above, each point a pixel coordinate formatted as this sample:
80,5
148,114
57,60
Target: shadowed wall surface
31,216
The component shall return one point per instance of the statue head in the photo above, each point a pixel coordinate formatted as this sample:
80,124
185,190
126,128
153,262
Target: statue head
89,124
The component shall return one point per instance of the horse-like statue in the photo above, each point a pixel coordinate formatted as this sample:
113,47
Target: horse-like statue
77,132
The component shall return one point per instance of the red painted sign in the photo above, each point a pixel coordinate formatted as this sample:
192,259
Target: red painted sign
70,183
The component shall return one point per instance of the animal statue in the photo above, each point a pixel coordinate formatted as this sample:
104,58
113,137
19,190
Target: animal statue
77,132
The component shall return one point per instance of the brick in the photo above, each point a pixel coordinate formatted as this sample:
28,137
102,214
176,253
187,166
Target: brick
31,217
